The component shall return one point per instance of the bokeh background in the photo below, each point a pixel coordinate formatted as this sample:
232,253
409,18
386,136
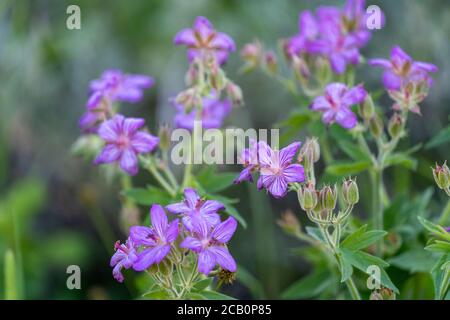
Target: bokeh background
56,209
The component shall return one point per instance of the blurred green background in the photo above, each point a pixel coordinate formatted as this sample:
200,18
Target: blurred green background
52,204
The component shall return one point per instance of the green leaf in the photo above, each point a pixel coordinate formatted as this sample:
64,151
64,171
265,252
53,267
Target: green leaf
213,295
157,294
232,211
148,196
401,159
11,292
309,286
363,261
213,181
353,151
361,238
441,277
415,260
435,229
347,168
202,284
345,267
194,296
315,233
442,137
439,246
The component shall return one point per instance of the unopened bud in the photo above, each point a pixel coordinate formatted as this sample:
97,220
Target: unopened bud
271,62
234,92
376,126
350,192
301,68
289,223
367,108
328,197
217,78
441,175
252,53
383,294
164,137
192,75
395,126
188,98
310,150
307,197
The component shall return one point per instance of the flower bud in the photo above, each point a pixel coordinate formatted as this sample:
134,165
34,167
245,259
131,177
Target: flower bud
301,68
367,108
226,277
217,78
382,294
307,197
234,92
192,75
271,62
252,53
289,223
188,98
328,197
350,192
395,126
310,150
164,137
376,126
441,175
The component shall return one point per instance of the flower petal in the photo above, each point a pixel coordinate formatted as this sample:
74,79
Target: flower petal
223,258
192,244
185,37
131,125
288,153
110,130
211,206
346,118
142,235
150,256
191,196
278,187
159,220
172,231
225,230
294,173
320,104
144,142
391,81
206,262
354,96
129,162
110,153
177,208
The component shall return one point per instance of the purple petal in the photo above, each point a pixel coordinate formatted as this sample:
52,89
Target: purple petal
129,94
294,173
94,100
191,196
206,262
307,24
142,235
346,118
110,153
129,162
288,153
338,63
111,129
391,81
138,80
224,42
117,274
320,104
150,256
278,187
159,220
354,96
131,125
192,244
211,206
172,231
177,208
144,142
245,175
225,230
200,227
426,66
185,37
399,57
383,63
223,258
328,116
117,257
203,27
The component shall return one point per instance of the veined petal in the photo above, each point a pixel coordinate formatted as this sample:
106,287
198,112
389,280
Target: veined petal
117,274
177,208
245,175
320,104
172,231
150,256
191,196
354,96
142,235
110,153
211,206
144,142
185,37
294,173
223,258
278,187
110,130
288,153
206,262
225,230
191,243
426,66
129,162
383,63
391,81
200,227
159,220
131,125
338,63
139,80
346,118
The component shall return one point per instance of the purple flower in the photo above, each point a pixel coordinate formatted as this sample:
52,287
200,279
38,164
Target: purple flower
447,229
156,240
114,85
308,31
250,160
193,207
213,113
401,69
209,243
277,169
124,142
204,42
336,102
124,257
354,22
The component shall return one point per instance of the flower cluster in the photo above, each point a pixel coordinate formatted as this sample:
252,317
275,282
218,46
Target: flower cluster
201,231
334,33
406,80
336,104
112,86
275,167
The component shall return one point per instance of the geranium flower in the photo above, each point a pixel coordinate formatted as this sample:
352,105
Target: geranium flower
124,257
194,207
156,239
336,104
124,142
210,244
401,69
276,169
204,42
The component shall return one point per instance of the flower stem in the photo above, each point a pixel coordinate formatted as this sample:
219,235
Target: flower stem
376,177
353,289
150,166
